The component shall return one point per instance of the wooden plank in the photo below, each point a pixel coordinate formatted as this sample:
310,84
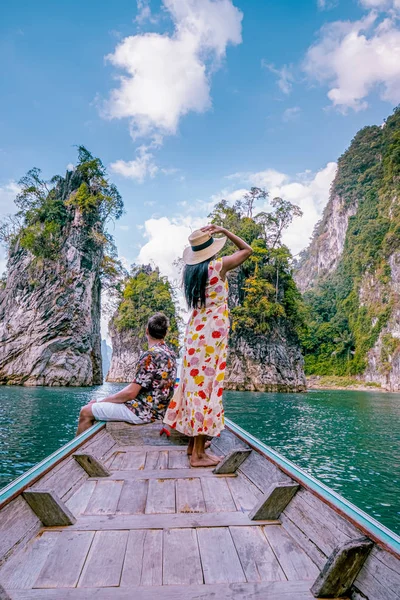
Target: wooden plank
307,545
50,509
274,501
64,564
117,461
100,446
105,497
132,568
18,523
78,502
144,435
133,460
150,448
178,460
165,521
256,556
64,481
3,594
261,471
217,495
244,493
23,568
232,461
296,564
162,462
271,590
160,497
380,576
133,497
189,496
143,559
166,474
181,558
341,569
103,566
92,465
151,460
226,442
219,558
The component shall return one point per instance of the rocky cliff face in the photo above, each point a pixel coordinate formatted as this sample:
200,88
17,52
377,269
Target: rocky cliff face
322,256
50,310
262,363
126,349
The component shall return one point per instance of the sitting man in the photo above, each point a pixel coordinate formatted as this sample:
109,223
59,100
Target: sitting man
147,397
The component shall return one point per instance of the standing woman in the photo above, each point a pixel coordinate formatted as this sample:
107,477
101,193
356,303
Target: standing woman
196,409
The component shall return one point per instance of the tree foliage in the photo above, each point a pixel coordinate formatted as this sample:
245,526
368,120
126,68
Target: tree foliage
145,292
267,291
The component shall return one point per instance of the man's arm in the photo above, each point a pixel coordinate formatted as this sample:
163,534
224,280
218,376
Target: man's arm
128,393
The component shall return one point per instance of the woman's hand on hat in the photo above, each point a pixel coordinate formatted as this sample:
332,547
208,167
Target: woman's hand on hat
213,229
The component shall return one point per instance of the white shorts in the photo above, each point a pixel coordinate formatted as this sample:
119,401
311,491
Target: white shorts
111,411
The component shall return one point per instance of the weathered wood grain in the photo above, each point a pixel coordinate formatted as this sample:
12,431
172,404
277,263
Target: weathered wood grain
78,502
256,556
49,508
18,524
143,559
232,461
181,558
189,496
272,590
63,481
261,471
160,497
157,473
296,564
307,545
274,501
219,558
133,460
103,566
380,576
117,461
104,498
244,493
100,447
162,462
151,459
178,460
341,569
22,569
3,594
64,564
165,521
152,558
133,497
92,465
144,435
226,442
217,495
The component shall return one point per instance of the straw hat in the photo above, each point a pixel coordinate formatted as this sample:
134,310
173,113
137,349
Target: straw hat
202,246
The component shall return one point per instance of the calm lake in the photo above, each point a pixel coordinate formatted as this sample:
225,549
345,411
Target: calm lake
349,440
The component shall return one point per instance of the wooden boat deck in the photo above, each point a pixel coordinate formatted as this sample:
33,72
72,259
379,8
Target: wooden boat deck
157,528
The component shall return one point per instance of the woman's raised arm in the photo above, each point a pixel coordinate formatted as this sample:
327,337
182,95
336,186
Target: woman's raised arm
237,258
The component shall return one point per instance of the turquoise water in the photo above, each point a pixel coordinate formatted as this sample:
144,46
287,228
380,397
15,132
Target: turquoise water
349,440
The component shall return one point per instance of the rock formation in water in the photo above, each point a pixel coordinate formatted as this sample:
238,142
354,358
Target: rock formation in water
50,304
144,293
106,352
265,305
351,271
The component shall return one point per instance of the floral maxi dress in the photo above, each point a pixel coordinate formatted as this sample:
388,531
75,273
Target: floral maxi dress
196,408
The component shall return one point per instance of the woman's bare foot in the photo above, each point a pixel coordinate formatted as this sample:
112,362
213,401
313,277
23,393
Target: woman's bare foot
204,460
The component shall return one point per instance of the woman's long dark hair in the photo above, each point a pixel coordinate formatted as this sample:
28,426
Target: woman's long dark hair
195,278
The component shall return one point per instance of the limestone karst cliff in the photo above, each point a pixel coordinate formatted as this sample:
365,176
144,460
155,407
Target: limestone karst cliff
50,303
350,272
144,292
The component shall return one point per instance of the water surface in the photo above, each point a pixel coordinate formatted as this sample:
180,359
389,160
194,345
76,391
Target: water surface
349,440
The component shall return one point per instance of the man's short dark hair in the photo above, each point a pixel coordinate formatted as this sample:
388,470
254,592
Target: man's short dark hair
158,326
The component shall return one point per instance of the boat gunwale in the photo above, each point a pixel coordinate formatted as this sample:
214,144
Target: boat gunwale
17,486
383,536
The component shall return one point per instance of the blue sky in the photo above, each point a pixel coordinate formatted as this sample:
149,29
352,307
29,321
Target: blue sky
217,96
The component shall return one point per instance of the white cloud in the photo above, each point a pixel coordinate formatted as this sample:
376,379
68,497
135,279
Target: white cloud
326,4
284,74
308,190
290,114
167,76
142,167
144,12
355,58
381,4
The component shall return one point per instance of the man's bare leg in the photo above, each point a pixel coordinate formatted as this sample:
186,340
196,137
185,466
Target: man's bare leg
86,419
